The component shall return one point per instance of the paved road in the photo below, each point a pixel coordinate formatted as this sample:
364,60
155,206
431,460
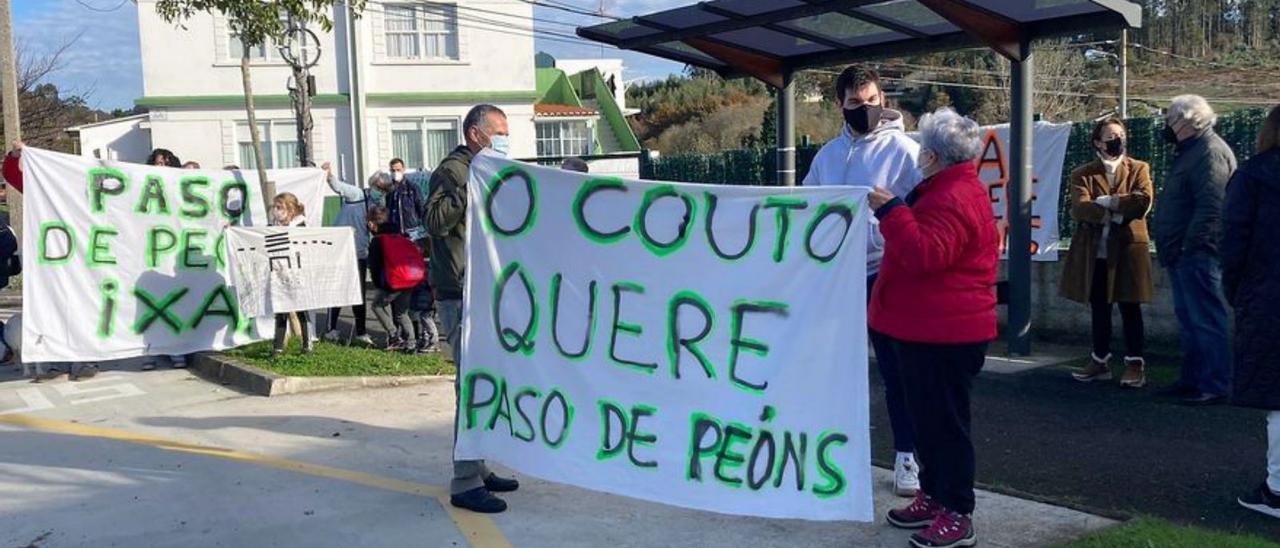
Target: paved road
1099,447
165,459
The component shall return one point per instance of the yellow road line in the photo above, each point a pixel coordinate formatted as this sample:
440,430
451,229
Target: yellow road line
479,529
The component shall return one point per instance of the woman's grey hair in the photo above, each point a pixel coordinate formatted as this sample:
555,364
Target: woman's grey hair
952,137
379,179
1194,110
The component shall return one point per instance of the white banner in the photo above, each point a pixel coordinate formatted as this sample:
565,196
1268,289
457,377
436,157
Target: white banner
1050,150
694,345
125,260
278,269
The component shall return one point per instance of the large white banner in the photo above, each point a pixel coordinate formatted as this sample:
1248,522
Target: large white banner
288,269
700,346
124,260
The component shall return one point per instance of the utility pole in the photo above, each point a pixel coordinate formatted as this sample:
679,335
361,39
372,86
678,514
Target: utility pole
1124,73
302,51
9,102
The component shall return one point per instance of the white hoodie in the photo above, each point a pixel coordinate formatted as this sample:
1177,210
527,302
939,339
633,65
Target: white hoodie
884,158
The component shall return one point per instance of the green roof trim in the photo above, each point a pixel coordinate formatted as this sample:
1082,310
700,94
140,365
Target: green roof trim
500,96
554,88
179,101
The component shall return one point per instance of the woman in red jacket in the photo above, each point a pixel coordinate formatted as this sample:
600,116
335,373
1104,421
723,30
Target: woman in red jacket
936,300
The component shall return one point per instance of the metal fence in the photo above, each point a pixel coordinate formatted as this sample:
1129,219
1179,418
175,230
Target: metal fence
757,166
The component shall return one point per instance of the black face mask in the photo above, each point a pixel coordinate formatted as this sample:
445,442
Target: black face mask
1169,135
864,118
1114,147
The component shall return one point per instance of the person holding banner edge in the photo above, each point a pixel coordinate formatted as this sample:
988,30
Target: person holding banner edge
485,126
873,150
936,300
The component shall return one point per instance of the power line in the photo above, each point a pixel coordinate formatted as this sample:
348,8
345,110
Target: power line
102,10
462,19
571,9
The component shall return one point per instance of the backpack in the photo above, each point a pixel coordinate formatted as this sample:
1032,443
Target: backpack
402,263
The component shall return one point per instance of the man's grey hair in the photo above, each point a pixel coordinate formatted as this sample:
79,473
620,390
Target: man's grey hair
478,116
952,137
1194,110
574,163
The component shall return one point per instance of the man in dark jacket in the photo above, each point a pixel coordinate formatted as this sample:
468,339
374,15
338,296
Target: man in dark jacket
1187,228
404,201
446,219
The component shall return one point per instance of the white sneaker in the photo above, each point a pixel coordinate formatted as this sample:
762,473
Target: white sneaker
906,476
365,340
332,336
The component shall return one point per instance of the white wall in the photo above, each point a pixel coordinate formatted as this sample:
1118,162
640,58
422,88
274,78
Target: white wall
628,168
198,60
123,141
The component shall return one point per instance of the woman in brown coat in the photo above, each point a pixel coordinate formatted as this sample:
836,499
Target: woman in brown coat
1109,261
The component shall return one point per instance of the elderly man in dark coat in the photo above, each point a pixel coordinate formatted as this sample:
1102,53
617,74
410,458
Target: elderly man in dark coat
1187,228
1250,260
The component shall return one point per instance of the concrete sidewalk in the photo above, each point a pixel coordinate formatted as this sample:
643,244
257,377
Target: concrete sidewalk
85,485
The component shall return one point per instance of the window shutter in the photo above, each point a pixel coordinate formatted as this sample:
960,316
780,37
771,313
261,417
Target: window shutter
378,32
463,37
384,140
221,39
228,142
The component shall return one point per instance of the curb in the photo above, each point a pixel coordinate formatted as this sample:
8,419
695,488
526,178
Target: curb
221,369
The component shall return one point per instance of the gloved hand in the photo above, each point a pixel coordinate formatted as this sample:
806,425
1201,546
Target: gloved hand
1108,202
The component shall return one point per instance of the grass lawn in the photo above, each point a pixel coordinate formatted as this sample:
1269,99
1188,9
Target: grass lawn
331,360
1157,533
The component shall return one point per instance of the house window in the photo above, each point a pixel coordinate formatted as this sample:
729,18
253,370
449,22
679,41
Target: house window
279,145
569,138
263,53
423,143
421,31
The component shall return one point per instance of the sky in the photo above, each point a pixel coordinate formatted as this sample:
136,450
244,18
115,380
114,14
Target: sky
104,66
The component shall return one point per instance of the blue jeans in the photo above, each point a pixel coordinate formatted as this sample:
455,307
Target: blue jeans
1201,308
895,396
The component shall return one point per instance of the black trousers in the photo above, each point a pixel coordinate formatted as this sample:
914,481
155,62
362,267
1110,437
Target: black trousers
359,311
937,379
1130,315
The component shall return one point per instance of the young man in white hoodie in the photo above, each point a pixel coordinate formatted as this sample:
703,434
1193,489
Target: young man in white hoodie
873,150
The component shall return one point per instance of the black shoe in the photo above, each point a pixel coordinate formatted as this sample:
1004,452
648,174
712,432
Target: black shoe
1203,400
1177,391
479,500
500,485
1262,500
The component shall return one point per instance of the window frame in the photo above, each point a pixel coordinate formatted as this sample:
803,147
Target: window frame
424,14
559,123
270,142
425,126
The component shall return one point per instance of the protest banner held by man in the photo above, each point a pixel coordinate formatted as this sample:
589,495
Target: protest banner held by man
484,127
873,150
1187,227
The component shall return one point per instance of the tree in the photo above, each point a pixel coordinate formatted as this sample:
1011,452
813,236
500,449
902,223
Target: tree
257,23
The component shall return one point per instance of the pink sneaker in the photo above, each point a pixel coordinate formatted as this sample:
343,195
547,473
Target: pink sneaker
919,514
949,530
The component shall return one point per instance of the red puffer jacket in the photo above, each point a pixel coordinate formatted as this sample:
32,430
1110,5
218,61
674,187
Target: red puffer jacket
13,172
937,281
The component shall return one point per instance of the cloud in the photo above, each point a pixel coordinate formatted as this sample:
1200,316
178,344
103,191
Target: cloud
104,63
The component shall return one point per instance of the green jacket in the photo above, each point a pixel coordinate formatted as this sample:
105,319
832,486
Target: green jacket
446,222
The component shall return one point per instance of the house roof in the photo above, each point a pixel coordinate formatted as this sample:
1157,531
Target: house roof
798,34
550,110
112,121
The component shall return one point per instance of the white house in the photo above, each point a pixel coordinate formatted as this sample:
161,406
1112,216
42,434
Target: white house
409,69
